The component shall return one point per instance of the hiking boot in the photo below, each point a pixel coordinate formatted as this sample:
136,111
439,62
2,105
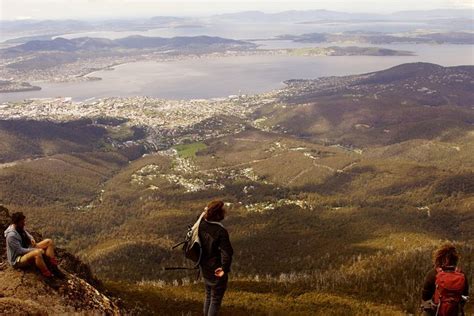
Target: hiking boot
57,272
52,264
52,282
47,273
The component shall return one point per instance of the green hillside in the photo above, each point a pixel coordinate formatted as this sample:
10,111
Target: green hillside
339,189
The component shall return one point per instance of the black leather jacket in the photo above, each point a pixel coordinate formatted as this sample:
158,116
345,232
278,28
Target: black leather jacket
216,249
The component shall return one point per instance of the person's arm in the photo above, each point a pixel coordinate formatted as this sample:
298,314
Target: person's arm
466,287
429,286
32,239
226,250
14,244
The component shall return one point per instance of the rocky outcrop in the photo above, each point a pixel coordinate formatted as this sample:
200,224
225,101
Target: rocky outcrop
26,292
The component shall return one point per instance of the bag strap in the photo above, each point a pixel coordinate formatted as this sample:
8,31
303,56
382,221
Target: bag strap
200,218
178,244
217,223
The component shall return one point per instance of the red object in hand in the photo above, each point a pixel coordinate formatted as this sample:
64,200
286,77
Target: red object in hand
219,273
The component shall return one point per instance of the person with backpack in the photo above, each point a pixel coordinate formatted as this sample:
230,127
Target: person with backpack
216,257
446,288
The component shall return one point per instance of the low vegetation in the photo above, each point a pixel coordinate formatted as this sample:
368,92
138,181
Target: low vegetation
189,150
328,216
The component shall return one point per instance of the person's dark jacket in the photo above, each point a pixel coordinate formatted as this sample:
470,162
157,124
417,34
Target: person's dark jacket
216,249
429,285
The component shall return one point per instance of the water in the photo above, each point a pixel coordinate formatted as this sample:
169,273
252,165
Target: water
222,76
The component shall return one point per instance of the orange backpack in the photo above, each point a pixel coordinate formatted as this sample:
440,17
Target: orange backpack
448,294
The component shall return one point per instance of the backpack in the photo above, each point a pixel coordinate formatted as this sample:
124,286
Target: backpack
448,293
191,246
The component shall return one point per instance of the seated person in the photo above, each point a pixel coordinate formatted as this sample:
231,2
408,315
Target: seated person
22,249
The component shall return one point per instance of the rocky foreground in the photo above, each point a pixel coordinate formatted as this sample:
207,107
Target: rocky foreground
25,292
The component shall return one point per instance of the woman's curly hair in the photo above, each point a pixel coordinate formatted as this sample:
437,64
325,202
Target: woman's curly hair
446,255
215,211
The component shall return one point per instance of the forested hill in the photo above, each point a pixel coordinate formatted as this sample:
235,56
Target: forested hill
338,189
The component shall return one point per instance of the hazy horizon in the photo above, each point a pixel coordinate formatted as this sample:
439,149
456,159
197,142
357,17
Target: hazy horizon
107,9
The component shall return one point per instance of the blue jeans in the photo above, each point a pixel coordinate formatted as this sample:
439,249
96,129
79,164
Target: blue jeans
215,290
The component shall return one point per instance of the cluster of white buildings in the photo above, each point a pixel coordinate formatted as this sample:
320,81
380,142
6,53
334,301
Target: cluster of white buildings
139,111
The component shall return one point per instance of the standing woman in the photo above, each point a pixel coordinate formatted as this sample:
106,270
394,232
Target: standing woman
216,256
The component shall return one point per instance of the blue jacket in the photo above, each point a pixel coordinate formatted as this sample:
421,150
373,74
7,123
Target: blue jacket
14,247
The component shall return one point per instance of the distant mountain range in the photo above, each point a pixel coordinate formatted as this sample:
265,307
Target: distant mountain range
312,15
80,25
383,38
41,27
131,42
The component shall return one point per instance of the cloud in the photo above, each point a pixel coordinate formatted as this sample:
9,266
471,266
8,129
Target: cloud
463,3
60,9
19,18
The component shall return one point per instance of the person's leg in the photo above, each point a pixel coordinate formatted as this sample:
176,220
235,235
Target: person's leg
48,246
217,294
207,299
35,256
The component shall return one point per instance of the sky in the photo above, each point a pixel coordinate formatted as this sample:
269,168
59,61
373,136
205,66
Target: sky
97,9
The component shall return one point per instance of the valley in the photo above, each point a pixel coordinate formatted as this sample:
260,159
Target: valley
337,188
